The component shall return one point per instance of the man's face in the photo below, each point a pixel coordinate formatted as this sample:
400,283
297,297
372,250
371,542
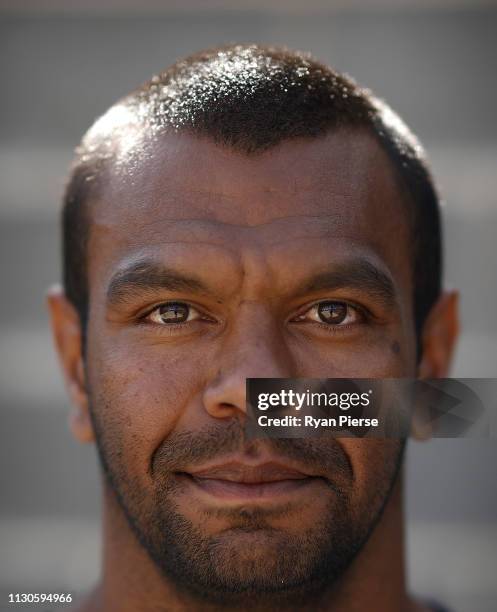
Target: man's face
207,267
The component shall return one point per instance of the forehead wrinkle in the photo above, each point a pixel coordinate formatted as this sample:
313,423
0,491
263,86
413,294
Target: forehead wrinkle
192,231
337,220
262,237
293,186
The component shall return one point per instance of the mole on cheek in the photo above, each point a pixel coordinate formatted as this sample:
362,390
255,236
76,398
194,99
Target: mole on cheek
395,347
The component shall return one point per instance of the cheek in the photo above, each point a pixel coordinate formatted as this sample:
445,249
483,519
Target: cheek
374,463
381,357
138,395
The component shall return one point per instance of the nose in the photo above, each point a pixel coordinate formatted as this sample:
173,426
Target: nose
256,349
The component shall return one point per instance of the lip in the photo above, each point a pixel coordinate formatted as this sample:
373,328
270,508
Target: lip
236,471
237,480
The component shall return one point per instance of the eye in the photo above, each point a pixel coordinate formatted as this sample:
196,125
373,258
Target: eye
173,312
331,313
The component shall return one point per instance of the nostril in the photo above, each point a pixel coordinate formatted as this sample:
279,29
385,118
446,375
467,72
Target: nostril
227,407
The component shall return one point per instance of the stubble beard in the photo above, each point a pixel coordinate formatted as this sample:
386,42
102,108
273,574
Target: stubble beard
250,565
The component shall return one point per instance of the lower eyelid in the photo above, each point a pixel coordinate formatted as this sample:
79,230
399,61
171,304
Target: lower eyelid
336,329
166,329
171,327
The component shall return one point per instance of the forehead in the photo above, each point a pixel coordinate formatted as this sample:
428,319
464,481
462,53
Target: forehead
185,197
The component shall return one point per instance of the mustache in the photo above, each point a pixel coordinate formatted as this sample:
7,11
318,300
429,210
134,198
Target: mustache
323,455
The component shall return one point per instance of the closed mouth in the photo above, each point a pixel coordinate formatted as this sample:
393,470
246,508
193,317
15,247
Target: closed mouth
237,480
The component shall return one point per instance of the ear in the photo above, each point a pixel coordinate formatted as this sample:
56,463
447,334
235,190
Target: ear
67,334
439,336
438,340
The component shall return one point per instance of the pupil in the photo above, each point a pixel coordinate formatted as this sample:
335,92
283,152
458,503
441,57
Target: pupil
332,312
174,313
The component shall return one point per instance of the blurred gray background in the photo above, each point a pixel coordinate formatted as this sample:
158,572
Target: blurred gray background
64,63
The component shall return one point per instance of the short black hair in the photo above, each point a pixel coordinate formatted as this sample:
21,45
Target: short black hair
250,98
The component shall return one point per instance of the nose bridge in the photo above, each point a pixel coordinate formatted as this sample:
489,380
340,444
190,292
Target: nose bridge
254,348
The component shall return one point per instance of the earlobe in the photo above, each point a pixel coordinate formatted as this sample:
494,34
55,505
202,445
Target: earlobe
421,425
81,426
67,334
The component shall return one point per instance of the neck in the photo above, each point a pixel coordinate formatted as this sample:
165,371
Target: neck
374,581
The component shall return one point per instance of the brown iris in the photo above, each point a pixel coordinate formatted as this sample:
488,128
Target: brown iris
332,312
174,312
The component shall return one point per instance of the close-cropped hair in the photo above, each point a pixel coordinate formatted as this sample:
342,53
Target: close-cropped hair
250,98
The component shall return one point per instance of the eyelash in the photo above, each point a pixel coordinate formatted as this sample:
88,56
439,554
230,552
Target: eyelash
173,327
364,314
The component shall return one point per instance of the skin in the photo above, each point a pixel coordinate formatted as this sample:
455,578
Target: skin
254,230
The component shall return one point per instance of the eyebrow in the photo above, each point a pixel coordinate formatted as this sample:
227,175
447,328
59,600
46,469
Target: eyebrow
146,276
359,274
